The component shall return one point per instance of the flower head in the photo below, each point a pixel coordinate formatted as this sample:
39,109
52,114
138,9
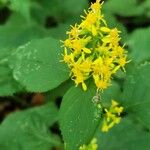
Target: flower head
92,146
112,116
92,50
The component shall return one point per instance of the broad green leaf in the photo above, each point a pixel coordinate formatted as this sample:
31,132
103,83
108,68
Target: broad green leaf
37,65
15,32
28,129
79,117
136,95
124,136
139,45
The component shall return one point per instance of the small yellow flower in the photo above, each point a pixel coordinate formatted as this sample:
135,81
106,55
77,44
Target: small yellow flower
68,58
84,86
112,116
68,43
89,21
118,110
114,37
122,61
102,84
114,103
96,7
92,146
105,127
105,29
75,31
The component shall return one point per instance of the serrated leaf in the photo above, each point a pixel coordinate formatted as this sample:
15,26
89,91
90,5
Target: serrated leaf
37,65
78,117
29,129
15,32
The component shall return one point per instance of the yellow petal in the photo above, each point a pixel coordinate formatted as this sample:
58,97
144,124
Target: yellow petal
94,31
83,56
84,86
115,69
105,127
105,29
106,39
86,50
113,103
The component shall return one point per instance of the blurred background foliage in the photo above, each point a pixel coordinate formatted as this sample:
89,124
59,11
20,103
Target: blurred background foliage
33,82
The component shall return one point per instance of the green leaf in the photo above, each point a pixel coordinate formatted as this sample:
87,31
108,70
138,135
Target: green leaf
8,85
15,32
111,93
146,5
59,32
120,7
29,129
79,117
136,95
139,45
62,10
124,136
37,65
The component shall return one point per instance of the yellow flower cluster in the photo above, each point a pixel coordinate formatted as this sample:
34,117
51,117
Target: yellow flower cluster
92,146
112,116
92,49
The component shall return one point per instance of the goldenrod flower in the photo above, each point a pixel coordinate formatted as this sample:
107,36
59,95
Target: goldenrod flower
112,116
92,146
92,50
